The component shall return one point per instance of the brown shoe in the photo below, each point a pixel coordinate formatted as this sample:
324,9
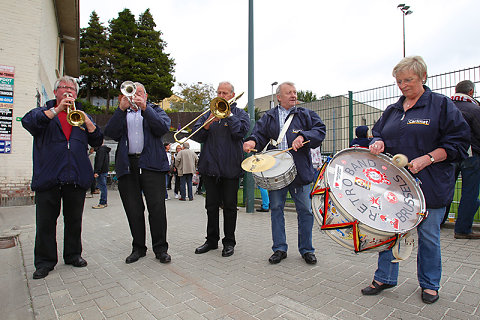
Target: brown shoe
472,235
100,206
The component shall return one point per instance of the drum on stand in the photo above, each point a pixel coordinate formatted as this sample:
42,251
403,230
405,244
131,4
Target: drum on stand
280,175
363,201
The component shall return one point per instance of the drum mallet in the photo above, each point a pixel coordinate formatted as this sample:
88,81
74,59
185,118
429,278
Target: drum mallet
401,160
276,154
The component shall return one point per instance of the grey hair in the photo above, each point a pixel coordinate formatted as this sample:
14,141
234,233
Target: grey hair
138,84
413,63
66,79
284,83
226,82
464,87
186,145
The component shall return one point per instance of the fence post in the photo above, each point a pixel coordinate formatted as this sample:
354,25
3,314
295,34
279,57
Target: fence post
350,116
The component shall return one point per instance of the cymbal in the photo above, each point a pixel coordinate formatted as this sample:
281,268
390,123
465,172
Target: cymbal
258,163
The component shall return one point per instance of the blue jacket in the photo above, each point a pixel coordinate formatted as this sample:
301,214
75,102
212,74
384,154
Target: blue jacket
57,161
305,123
222,151
433,122
155,124
362,138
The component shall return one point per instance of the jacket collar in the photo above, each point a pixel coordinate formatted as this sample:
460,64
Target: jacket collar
421,102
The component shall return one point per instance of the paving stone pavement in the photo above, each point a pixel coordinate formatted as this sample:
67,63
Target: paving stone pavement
209,286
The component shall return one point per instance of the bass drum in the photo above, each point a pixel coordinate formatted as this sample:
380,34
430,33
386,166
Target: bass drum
363,201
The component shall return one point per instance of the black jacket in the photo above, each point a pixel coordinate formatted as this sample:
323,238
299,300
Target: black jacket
471,113
102,160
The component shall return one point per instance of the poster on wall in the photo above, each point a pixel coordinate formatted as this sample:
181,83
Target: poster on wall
7,75
6,118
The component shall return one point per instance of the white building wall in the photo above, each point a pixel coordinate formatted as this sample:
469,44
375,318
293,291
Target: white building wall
29,44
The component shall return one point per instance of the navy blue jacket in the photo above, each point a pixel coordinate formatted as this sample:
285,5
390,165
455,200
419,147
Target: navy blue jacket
433,122
362,138
305,123
155,124
222,151
57,161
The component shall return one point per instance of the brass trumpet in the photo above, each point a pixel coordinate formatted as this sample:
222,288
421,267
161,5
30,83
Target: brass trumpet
74,117
219,107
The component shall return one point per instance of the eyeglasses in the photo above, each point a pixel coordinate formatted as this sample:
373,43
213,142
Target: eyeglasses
406,81
67,87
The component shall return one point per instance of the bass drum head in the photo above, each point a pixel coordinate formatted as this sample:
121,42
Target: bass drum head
374,191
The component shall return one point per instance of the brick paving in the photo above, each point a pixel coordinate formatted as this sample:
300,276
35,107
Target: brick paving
209,286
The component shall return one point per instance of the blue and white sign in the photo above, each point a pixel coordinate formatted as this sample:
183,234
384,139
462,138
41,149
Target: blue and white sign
5,146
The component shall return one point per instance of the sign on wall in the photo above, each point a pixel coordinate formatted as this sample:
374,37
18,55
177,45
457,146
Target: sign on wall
7,75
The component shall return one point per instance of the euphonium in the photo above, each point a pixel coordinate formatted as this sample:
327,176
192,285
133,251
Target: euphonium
74,117
128,89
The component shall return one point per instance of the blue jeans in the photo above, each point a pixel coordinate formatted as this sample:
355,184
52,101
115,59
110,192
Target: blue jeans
166,186
186,179
265,199
301,197
469,203
102,185
429,259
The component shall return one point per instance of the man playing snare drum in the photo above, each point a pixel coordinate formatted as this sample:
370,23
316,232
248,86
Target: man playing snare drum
304,131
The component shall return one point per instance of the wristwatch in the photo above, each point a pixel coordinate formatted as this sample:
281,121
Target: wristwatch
52,109
432,159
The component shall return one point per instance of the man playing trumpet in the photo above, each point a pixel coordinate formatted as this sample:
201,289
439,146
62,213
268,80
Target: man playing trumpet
141,163
61,172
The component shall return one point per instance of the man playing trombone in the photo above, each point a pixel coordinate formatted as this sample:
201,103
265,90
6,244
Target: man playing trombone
61,171
219,165
141,163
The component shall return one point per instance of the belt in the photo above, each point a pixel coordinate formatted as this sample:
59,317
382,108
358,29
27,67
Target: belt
134,155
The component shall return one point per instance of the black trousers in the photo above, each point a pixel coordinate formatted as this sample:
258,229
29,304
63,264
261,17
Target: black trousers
132,188
221,191
48,205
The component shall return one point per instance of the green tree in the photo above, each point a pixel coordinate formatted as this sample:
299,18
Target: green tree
123,32
196,97
94,62
306,96
152,66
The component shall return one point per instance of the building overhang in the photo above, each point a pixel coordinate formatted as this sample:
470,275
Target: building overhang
68,20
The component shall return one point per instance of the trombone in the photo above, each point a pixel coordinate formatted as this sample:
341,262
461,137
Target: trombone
74,117
219,107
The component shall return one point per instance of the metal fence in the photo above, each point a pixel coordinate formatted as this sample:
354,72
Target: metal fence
342,114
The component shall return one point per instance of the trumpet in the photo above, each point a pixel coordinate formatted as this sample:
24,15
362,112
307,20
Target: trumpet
219,107
74,117
128,89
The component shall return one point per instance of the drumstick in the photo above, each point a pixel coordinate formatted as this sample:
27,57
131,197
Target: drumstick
276,154
401,160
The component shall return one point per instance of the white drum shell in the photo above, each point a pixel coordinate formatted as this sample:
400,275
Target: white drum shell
280,175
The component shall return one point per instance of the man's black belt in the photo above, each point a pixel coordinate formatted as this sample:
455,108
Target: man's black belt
134,155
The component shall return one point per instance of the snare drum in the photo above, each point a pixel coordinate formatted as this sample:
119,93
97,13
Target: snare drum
363,201
278,176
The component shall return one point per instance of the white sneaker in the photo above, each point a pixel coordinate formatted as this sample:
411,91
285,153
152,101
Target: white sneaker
176,196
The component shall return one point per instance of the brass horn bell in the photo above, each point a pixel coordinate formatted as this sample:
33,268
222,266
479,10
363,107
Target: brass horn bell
74,117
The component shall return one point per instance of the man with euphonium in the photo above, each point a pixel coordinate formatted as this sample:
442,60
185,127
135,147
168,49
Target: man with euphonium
141,163
61,172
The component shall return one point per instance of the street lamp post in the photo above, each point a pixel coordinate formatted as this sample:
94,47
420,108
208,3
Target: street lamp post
404,8
272,104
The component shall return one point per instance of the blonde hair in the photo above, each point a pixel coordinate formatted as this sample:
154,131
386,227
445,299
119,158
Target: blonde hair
413,63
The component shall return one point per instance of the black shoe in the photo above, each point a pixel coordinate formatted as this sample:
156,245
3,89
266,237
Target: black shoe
134,256
227,251
310,258
205,248
41,273
163,257
79,262
429,298
277,256
369,291
262,210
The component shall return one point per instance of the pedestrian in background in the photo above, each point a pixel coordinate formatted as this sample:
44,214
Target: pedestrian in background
186,163
102,163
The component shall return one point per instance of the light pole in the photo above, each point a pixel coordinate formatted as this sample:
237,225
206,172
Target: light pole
404,8
272,104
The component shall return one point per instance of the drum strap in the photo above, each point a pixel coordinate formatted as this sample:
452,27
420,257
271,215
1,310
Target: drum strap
406,243
282,132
